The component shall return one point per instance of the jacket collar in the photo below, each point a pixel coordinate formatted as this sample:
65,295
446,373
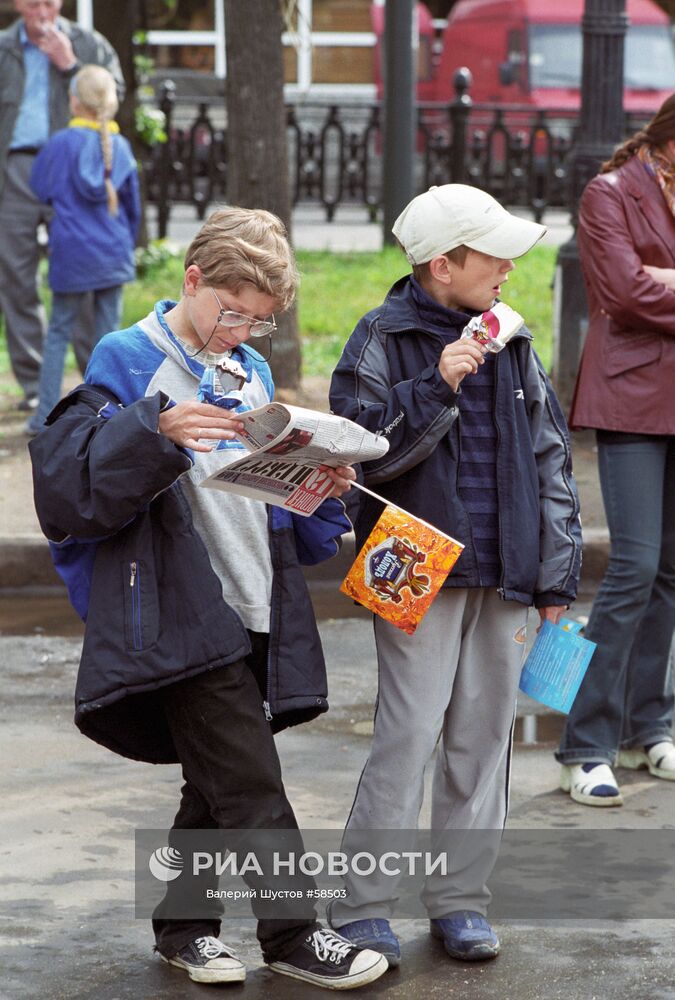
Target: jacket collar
644,188
400,312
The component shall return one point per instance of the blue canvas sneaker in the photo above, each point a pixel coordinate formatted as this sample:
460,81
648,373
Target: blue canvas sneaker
466,935
376,935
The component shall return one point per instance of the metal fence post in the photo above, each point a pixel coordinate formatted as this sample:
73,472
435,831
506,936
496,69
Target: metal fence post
166,104
399,112
459,116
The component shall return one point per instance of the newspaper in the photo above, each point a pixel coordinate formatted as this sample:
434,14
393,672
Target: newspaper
288,444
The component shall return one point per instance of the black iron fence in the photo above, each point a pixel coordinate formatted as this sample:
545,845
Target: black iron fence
516,153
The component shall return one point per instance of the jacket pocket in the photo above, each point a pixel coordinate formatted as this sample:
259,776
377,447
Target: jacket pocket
141,613
626,351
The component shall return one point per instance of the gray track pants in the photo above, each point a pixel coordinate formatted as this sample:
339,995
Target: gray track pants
20,215
453,683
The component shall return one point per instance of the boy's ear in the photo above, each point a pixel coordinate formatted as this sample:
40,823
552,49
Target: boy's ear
439,268
193,277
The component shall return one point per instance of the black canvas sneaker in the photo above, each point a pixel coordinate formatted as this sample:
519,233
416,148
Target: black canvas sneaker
208,960
327,959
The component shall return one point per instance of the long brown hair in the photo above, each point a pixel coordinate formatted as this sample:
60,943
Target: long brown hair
659,131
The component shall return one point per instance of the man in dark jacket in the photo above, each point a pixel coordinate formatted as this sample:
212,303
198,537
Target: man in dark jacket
478,448
199,628
39,55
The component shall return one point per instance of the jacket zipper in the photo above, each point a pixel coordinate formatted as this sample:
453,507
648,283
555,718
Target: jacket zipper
135,588
500,588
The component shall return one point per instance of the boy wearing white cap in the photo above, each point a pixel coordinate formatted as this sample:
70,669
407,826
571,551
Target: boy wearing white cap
478,447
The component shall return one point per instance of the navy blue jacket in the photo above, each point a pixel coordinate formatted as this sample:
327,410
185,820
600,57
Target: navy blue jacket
108,498
388,380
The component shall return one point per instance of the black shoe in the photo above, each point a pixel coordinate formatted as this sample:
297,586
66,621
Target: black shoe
208,960
327,959
27,404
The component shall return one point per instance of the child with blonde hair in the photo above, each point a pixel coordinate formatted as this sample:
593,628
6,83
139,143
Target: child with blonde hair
200,639
87,173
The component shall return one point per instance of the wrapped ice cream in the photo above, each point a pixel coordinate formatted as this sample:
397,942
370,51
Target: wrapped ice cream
495,327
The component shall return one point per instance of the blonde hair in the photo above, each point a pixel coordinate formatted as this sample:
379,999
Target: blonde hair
239,246
95,89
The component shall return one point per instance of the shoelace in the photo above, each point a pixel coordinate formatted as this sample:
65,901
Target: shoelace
327,944
211,947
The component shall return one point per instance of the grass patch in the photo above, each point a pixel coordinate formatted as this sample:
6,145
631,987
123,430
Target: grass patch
336,290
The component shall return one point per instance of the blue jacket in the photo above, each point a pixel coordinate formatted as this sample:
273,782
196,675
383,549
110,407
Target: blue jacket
88,248
108,498
388,380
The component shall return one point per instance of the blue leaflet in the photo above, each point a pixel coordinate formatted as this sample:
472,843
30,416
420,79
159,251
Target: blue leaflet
555,668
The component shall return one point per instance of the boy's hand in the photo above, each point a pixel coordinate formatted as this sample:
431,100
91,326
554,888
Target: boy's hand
187,424
343,476
551,614
459,359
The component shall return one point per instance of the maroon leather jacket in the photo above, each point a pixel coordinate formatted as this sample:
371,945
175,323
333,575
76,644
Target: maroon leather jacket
626,380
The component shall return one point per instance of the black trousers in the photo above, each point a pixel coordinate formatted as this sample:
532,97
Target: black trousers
232,782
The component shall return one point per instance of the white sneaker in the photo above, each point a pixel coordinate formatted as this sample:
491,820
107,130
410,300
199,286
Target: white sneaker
208,960
659,760
595,787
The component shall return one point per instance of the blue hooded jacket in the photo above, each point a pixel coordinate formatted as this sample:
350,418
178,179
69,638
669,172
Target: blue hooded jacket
109,498
88,247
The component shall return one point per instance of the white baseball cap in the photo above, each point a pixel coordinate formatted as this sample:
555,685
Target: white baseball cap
454,215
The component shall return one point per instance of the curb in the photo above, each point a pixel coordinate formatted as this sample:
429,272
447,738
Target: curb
594,561
25,562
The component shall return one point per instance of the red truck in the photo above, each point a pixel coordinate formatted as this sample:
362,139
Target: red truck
528,52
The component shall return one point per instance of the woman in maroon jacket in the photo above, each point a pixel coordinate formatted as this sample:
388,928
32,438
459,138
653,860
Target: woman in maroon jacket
626,391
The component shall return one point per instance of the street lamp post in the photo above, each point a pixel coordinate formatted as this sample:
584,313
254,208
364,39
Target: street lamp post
601,129
399,111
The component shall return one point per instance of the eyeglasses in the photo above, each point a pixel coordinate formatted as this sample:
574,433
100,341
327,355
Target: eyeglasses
230,319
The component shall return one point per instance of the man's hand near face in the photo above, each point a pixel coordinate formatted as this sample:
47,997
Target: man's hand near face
57,47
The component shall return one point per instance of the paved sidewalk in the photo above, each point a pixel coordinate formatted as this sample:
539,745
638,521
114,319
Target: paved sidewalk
67,928
350,231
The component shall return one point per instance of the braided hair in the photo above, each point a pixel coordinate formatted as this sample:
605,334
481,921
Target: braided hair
659,131
94,87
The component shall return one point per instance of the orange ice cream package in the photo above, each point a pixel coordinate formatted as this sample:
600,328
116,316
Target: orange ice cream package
400,568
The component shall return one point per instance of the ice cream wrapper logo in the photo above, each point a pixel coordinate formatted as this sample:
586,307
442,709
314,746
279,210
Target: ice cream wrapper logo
494,328
401,567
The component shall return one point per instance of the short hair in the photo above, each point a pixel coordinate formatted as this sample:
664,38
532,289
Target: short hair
246,246
456,256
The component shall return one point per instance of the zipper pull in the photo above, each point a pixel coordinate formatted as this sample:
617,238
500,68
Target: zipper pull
268,713
132,578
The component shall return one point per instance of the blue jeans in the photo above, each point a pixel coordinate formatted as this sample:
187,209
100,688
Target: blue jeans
626,698
65,310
